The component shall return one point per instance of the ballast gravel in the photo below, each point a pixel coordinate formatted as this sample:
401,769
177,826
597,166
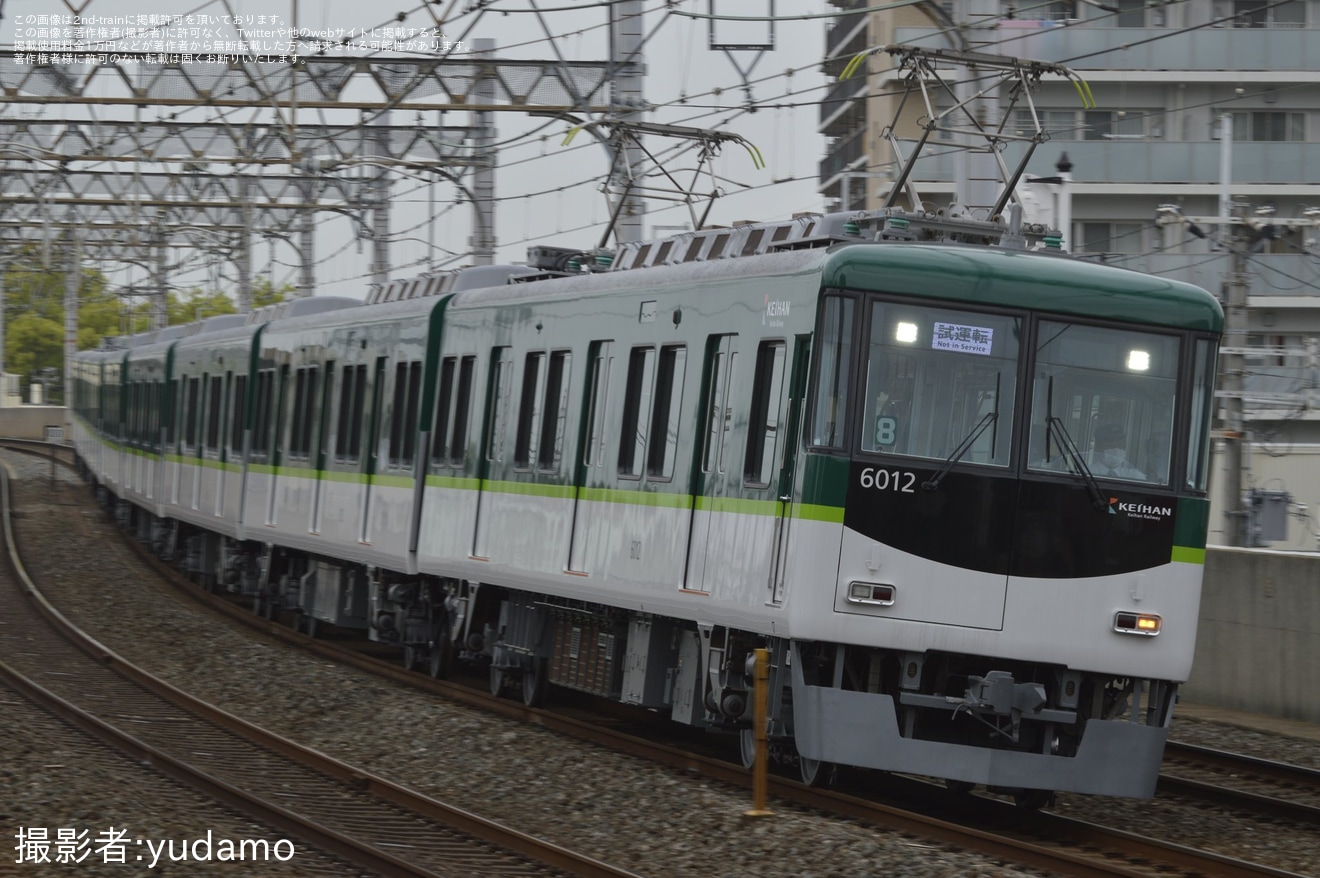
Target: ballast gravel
633,815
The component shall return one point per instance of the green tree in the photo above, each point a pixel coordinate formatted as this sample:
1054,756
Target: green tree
265,293
32,343
33,304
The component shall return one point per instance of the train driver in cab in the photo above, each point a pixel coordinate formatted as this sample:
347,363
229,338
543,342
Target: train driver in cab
1108,457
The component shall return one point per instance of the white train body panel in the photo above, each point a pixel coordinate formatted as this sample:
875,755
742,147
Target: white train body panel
874,461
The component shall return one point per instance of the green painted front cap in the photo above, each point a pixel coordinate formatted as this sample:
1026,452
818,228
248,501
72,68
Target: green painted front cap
1022,279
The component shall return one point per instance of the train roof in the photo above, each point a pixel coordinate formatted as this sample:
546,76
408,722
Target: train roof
1023,279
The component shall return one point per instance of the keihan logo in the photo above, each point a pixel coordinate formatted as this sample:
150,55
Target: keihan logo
1139,510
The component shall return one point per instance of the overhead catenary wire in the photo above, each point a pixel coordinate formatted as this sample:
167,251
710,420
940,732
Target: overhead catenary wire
510,146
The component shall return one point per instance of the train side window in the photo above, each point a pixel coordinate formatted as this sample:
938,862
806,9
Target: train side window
529,410
403,414
323,422
261,422
359,396
554,413
172,420
153,423
763,424
410,412
663,448
237,414
348,435
304,407
462,411
345,412
444,399
501,377
296,428
226,405
597,398
636,408
833,366
190,413
130,429
214,398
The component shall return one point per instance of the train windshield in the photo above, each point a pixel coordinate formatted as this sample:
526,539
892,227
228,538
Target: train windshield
938,379
1111,394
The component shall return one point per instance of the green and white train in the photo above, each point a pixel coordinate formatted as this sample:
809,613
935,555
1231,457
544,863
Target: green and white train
884,446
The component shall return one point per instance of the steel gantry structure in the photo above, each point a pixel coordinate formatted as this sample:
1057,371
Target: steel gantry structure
101,153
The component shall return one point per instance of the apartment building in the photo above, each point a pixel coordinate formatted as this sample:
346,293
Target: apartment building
1152,184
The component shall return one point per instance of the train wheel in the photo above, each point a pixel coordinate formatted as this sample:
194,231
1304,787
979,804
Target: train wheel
498,681
441,659
410,658
815,773
747,746
309,623
1033,800
534,683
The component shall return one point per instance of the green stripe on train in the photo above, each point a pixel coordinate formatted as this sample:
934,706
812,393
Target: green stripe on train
1185,555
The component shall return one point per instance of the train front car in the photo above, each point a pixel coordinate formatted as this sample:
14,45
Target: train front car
1015,444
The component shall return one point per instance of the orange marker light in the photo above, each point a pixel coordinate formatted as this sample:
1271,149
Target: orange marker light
1147,624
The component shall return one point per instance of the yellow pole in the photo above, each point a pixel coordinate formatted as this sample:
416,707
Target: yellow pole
760,783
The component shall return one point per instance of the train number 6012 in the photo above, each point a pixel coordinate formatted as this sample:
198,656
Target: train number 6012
889,480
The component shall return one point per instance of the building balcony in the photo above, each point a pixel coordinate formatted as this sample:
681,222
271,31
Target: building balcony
843,154
1151,162
1213,49
1274,280
844,30
838,98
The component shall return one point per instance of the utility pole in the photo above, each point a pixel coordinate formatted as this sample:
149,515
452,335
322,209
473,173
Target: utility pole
307,242
626,104
160,301
71,281
1240,235
1231,381
483,175
379,141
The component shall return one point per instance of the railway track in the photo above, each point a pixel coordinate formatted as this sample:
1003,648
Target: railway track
1048,841
366,820
1232,780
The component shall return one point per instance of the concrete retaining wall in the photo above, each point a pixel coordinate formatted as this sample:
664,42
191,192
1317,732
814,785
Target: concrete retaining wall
31,421
1258,645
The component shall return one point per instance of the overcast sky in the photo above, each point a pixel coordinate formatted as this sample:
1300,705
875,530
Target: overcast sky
548,193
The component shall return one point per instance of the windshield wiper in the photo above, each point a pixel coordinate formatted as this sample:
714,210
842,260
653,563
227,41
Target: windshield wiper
989,418
1055,427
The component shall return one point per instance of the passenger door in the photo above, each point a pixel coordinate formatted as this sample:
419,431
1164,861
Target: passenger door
708,483
590,459
490,467
784,489
374,442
